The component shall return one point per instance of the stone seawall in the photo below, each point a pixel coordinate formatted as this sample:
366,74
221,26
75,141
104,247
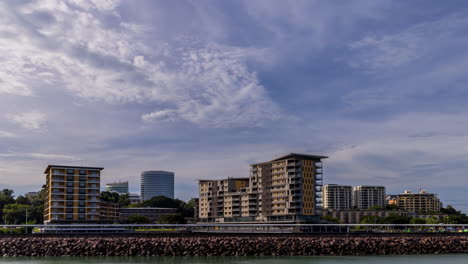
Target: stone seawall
231,246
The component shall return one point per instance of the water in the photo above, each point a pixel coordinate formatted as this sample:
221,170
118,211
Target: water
413,259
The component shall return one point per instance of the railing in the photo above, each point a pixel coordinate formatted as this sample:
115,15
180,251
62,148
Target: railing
241,228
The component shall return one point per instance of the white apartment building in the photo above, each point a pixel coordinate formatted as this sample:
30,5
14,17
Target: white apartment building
368,196
337,197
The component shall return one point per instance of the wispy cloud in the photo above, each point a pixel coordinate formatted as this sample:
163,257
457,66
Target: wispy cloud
44,156
33,120
6,134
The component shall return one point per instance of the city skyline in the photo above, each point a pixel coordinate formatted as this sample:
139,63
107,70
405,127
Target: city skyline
206,89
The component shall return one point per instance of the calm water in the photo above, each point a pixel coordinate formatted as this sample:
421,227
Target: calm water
423,259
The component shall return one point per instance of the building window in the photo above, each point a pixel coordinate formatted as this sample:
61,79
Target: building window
70,171
82,172
69,204
81,216
70,178
81,204
69,197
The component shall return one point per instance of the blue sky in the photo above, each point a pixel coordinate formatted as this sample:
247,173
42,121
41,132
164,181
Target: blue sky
205,88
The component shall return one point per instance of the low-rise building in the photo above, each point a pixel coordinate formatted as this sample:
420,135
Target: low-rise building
134,198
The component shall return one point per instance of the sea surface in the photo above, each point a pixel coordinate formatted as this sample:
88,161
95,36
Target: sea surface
413,259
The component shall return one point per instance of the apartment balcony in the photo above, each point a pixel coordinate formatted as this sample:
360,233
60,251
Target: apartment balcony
318,165
318,177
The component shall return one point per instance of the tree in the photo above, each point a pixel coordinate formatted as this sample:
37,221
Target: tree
418,221
22,200
6,197
15,213
107,196
396,219
332,219
161,201
172,219
138,219
370,219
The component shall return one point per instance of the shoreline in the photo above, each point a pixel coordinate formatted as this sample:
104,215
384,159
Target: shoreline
231,246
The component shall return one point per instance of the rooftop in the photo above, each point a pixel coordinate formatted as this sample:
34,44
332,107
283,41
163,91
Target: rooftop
71,167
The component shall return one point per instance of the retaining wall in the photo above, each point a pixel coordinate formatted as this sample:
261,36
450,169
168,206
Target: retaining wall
230,246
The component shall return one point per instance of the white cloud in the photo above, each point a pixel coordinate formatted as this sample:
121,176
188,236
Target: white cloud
6,134
37,156
380,52
33,120
201,82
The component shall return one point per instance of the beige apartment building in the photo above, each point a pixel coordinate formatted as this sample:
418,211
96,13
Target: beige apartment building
337,197
286,189
366,196
418,202
72,196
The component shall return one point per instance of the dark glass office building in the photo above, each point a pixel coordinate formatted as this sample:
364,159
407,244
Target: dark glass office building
156,183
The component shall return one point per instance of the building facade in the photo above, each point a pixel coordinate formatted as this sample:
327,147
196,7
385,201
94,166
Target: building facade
156,183
337,197
286,189
365,197
118,187
418,202
72,194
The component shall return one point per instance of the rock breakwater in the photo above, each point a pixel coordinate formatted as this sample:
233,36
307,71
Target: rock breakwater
230,246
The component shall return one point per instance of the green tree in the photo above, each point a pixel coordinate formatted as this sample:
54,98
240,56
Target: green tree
138,219
370,219
161,201
107,196
396,219
22,200
330,218
432,220
15,213
172,219
418,221
6,198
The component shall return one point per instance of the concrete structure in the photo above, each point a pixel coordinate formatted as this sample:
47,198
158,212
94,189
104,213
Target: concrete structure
365,197
286,189
118,187
418,202
156,183
153,213
337,197
134,198
355,216
72,194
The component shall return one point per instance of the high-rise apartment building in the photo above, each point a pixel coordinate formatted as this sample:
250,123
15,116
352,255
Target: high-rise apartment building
286,189
72,194
337,197
369,196
118,187
418,202
157,183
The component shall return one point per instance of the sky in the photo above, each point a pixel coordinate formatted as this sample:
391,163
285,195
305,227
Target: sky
205,88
